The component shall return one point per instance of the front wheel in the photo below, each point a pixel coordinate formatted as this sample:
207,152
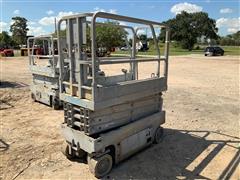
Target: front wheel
66,151
100,166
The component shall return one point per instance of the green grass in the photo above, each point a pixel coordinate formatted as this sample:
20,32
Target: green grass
176,51
231,50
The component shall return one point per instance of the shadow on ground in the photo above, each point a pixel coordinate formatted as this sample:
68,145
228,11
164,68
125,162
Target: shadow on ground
3,145
5,105
7,84
177,157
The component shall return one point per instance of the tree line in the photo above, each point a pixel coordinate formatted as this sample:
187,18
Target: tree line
230,40
19,31
186,29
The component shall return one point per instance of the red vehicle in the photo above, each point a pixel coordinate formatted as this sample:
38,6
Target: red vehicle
6,52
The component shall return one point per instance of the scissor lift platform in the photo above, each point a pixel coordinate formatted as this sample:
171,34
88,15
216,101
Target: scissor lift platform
45,71
108,117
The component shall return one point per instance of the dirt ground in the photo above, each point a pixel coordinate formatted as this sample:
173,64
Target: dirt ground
201,131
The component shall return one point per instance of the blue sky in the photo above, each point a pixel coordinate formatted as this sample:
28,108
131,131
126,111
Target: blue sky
41,13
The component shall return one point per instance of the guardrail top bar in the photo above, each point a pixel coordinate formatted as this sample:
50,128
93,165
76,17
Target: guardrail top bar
116,17
42,36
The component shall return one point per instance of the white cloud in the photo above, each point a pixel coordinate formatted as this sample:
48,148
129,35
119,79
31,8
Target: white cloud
220,22
232,24
97,9
141,31
226,11
50,20
36,31
188,7
31,23
232,30
11,22
62,13
3,26
122,23
46,21
16,11
50,12
112,11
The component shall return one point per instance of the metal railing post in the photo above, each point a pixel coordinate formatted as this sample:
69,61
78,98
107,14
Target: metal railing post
166,53
60,57
69,42
93,49
157,48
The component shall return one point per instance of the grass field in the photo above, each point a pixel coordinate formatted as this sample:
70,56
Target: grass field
229,50
175,51
232,50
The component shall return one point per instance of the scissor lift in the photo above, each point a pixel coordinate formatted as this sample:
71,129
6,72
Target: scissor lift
108,118
44,67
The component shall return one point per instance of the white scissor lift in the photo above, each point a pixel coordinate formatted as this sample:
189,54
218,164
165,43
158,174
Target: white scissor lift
45,70
108,118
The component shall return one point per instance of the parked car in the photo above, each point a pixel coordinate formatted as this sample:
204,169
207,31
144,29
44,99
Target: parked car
101,52
142,46
125,48
214,51
6,52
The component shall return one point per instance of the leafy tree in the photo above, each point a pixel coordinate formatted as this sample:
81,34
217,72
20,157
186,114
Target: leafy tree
5,40
142,37
110,36
186,28
106,36
235,36
19,30
130,41
231,39
62,33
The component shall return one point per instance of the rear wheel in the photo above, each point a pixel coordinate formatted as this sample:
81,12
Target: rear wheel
55,104
100,166
33,97
158,135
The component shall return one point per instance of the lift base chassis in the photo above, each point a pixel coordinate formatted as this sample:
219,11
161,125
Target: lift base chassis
45,90
120,143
